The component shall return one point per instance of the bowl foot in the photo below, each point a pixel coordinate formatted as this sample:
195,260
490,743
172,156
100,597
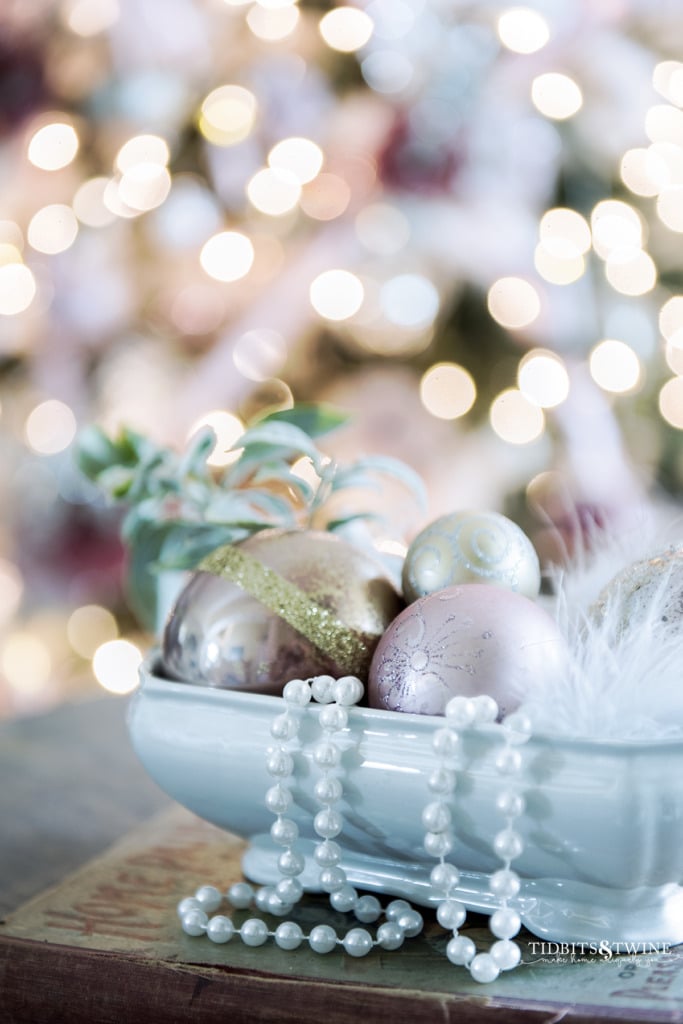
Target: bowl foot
643,920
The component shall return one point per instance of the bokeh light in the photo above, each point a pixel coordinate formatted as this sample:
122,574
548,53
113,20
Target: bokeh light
631,271
301,158
665,164
542,377
145,180
555,95
17,288
88,627
671,316
52,229
227,256
9,254
274,192
523,30
558,269
144,186
614,366
272,24
116,664
513,302
670,207
50,427
228,428
674,352
565,233
227,115
142,149
115,204
615,225
515,419
53,146
565,237
667,78
89,205
336,294
447,391
346,28
26,662
671,402
11,234
639,172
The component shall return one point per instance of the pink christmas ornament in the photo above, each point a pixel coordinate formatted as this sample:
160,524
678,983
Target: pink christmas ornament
466,640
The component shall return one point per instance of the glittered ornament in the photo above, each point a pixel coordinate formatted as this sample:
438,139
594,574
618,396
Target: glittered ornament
282,604
471,547
647,594
467,640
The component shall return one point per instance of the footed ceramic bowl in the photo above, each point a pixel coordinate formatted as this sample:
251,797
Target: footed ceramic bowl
603,829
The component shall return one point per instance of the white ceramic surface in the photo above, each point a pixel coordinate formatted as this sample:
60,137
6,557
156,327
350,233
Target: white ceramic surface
603,829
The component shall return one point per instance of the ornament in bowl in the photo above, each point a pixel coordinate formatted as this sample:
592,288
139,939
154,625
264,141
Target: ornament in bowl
282,604
645,595
473,628
471,547
470,640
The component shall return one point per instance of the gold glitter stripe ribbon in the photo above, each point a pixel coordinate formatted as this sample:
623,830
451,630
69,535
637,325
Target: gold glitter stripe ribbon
319,625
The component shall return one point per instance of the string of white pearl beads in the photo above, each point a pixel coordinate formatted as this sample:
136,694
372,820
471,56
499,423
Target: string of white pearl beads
401,919
508,844
504,954
279,899
460,713
328,823
504,923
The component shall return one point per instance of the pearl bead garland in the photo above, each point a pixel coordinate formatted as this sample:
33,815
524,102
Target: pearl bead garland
505,922
402,920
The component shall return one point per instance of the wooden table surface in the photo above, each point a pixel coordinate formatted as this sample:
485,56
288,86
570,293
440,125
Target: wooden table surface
70,785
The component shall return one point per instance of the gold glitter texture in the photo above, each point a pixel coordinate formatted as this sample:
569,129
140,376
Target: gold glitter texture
317,624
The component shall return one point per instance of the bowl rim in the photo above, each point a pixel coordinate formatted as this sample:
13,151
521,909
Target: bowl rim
151,679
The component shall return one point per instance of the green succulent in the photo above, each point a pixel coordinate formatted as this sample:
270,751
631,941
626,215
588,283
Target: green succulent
179,508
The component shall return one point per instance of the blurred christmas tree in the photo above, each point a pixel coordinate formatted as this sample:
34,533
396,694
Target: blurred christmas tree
458,220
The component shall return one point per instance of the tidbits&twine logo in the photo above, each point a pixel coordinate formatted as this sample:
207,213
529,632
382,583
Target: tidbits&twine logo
570,952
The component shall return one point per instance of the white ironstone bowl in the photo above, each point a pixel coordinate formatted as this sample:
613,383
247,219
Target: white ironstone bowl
603,829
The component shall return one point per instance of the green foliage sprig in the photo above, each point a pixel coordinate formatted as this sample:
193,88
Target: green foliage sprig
179,508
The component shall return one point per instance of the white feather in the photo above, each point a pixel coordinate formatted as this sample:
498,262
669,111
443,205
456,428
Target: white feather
622,682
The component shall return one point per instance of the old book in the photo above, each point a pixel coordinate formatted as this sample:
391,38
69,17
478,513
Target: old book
105,947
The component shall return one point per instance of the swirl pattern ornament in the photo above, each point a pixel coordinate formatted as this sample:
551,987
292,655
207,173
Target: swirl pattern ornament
471,547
